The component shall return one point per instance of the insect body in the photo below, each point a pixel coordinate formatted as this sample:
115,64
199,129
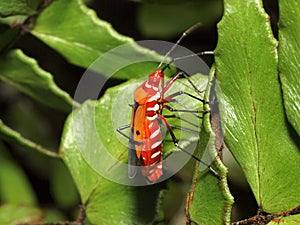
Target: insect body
145,143
145,137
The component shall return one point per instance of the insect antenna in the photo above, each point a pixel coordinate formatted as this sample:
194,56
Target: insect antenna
185,33
187,56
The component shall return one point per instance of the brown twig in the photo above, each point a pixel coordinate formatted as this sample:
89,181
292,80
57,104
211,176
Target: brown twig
263,218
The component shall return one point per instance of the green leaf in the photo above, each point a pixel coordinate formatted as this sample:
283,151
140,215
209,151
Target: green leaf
209,200
12,136
289,59
23,73
19,214
82,38
14,185
251,106
288,220
17,7
116,203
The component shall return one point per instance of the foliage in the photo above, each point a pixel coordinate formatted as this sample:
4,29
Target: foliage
255,78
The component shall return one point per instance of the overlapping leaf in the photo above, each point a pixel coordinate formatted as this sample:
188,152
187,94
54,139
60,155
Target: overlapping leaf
23,73
209,200
252,112
289,59
81,37
116,203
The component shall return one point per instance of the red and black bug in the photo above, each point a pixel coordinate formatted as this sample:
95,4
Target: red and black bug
145,137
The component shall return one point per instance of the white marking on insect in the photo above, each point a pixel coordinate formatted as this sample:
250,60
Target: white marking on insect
152,117
154,97
155,144
151,171
155,88
155,108
147,85
155,133
154,155
151,125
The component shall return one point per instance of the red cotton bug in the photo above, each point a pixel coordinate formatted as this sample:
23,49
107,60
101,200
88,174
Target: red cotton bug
145,138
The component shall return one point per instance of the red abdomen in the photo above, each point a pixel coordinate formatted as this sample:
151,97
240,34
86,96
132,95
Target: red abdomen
152,151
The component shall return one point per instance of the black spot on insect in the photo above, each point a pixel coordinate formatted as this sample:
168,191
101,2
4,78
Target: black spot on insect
137,132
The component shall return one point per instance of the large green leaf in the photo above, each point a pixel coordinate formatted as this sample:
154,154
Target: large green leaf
24,73
209,200
252,113
90,141
116,203
289,59
75,31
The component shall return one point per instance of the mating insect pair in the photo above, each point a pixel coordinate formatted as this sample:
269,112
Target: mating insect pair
145,136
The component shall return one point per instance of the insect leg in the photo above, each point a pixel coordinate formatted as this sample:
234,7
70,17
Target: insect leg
182,119
132,157
175,141
184,129
119,130
183,110
191,83
178,75
172,96
171,82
